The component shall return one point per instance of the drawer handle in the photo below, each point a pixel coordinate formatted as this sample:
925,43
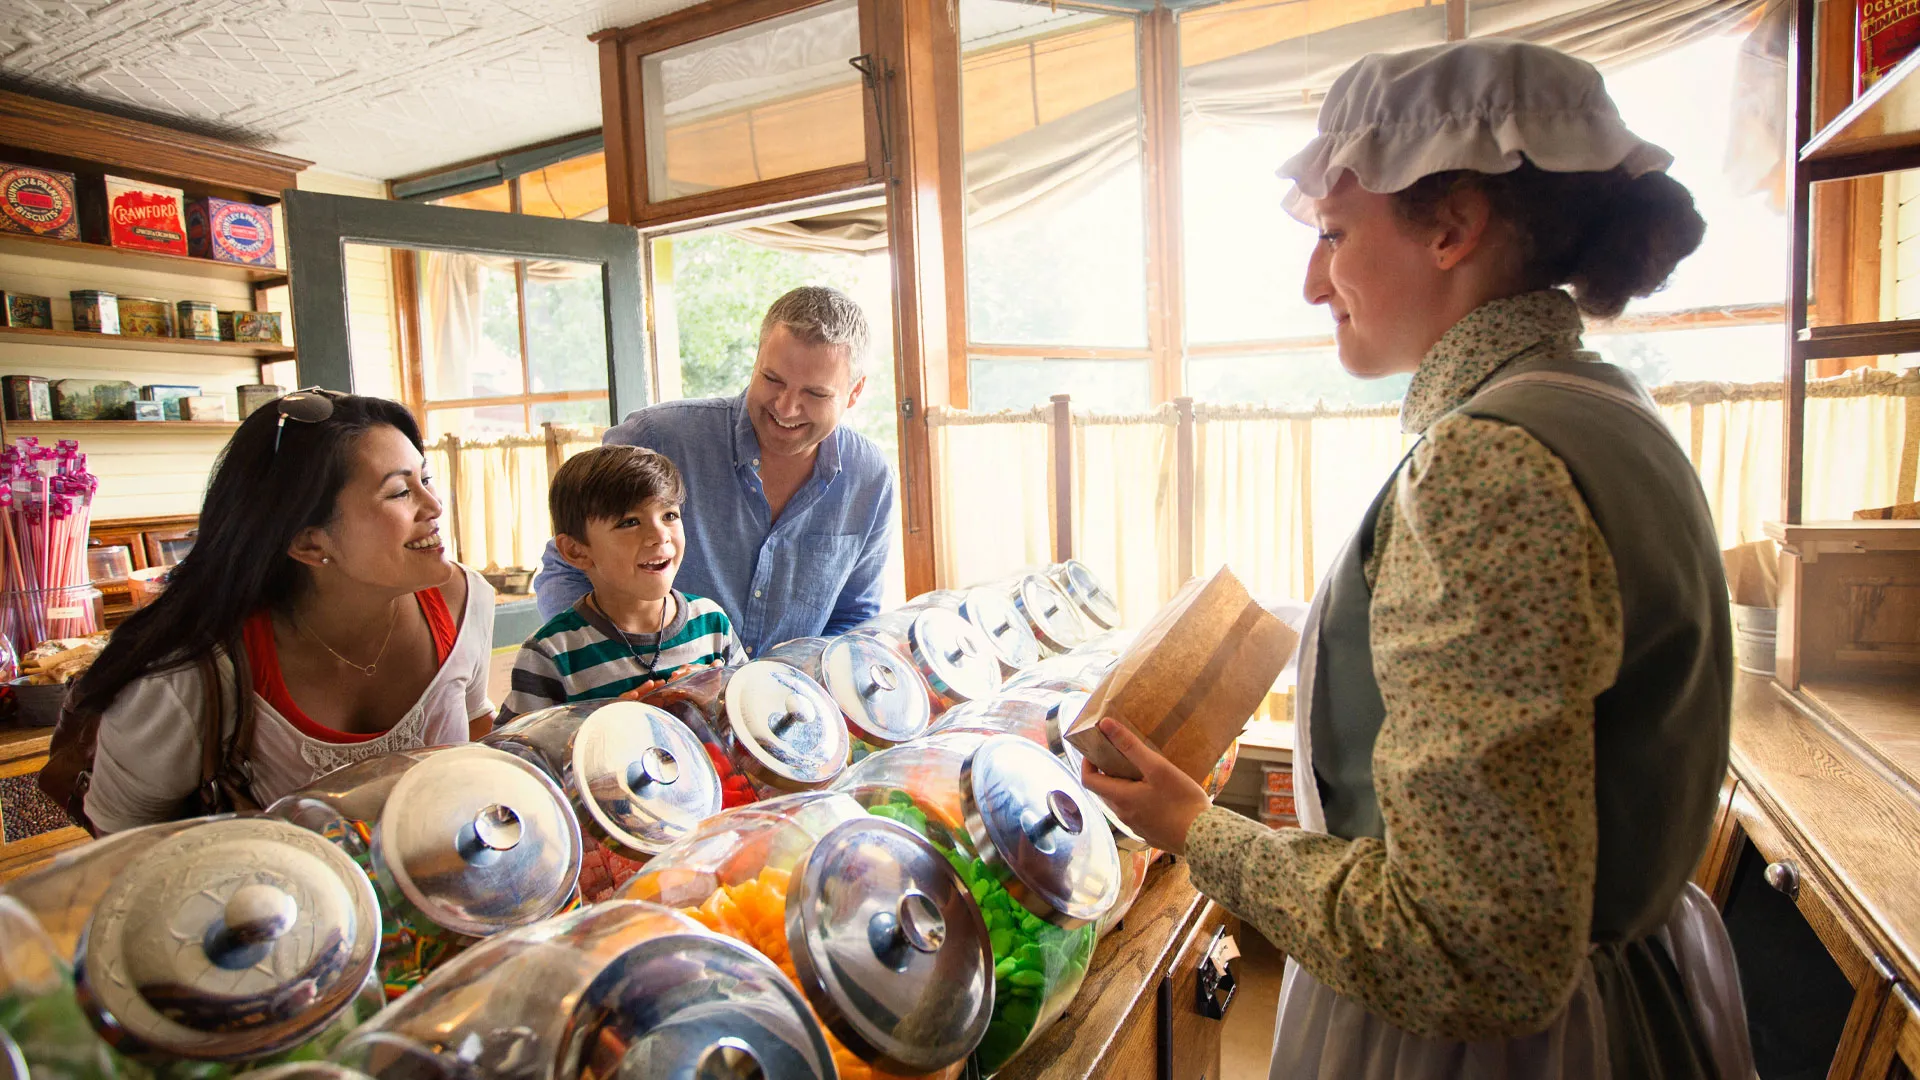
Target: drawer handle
1785,877
1215,982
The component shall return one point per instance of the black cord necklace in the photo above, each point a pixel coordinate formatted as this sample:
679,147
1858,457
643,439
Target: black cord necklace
659,638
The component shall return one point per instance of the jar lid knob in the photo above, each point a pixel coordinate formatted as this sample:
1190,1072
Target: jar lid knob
255,916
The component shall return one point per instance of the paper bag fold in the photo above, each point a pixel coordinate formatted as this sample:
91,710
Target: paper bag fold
1191,679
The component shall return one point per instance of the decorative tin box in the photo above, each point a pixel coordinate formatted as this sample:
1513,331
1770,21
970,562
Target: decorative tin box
95,311
129,214
93,399
150,410
143,316
168,398
203,407
198,320
40,202
255,326
228,231
28,397
24,309
254,395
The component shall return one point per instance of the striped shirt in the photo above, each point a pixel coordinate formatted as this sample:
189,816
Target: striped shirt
579,655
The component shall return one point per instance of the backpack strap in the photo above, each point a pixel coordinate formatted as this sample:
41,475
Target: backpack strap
226,782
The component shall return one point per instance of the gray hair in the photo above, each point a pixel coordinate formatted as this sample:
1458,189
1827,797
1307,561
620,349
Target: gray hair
818,315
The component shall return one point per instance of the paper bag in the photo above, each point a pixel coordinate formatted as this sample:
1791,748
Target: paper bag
1190,680
1753,574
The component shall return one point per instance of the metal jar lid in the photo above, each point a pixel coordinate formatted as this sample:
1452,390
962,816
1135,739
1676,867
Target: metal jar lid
1028,814
229,941
890,947
696,1005
884,698
957,661
479,840
791,731
993,614
642,776
1086,590
1055,619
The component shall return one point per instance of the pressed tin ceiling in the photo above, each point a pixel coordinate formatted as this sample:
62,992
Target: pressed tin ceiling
377,89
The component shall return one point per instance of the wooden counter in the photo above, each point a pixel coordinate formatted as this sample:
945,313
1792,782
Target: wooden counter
1114,1027
1822,788
32,828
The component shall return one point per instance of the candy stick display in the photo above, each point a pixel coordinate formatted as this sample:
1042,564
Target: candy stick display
45,508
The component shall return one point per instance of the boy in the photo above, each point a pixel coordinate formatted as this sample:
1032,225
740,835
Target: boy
616,518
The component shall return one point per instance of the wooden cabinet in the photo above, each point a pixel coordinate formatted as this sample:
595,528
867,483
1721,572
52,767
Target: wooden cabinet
1814,859
167,546
150,542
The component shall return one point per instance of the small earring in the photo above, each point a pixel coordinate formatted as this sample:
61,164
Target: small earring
324,560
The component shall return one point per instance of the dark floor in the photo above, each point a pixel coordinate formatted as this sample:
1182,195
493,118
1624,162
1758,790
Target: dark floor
1247,1043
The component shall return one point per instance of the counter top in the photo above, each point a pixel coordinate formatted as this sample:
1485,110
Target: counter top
1841,801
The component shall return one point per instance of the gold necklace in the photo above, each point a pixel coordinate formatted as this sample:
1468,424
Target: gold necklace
393,620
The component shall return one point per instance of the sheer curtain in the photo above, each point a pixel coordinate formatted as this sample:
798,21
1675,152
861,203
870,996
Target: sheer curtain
992,493
496,491
1125,515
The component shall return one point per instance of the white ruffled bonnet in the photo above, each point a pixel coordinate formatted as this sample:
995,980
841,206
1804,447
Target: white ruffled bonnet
1393,118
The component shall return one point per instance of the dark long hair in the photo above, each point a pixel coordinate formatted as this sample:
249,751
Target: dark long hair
257,503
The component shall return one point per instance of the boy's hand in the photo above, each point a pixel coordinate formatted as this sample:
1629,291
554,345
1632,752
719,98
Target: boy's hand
1162,805
651,685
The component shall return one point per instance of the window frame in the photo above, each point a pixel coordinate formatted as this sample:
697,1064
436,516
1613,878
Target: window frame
623,109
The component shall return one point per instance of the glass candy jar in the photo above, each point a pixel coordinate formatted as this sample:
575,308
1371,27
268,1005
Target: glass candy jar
865,916
227,940
992,613
1089,594
620,989
1036,855
884,699
780,729
954,658
461,842
1055,620
638,779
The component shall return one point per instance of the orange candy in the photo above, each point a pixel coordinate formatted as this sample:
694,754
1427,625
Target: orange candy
755,912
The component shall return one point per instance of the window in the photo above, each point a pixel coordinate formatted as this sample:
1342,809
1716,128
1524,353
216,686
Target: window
508,344
1252,337
711,290
776,98
1056,220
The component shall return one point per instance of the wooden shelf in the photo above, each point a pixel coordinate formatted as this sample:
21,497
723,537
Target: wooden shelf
1883,123
1859,339
261,277
144,427
134,343
1844,537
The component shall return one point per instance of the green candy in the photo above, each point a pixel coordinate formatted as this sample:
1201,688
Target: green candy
1000,941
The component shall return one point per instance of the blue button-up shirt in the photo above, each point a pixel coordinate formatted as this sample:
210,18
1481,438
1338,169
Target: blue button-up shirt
816,571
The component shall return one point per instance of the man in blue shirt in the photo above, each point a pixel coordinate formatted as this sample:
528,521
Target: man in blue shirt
787,514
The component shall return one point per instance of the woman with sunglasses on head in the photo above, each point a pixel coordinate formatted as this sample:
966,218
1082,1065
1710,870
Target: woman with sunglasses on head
1516,679
319,565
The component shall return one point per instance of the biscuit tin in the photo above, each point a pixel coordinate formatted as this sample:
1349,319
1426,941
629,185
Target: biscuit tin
150,410
130,214
143,316
203,407
255,326
27,397
24,309
254,395
198,319
93,399
40,202
168,398
228,231
95,311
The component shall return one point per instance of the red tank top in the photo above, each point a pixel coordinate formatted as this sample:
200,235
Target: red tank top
263,661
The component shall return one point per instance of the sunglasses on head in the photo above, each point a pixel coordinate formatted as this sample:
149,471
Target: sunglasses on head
308,405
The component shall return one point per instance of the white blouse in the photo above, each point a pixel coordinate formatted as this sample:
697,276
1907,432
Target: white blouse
148,758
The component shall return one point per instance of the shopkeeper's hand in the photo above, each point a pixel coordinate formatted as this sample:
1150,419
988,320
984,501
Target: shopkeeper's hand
1162,805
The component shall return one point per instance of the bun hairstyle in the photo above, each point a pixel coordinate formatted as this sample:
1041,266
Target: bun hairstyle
1610,235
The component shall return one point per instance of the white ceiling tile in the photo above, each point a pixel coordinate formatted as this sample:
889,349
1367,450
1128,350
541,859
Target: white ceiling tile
378,88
